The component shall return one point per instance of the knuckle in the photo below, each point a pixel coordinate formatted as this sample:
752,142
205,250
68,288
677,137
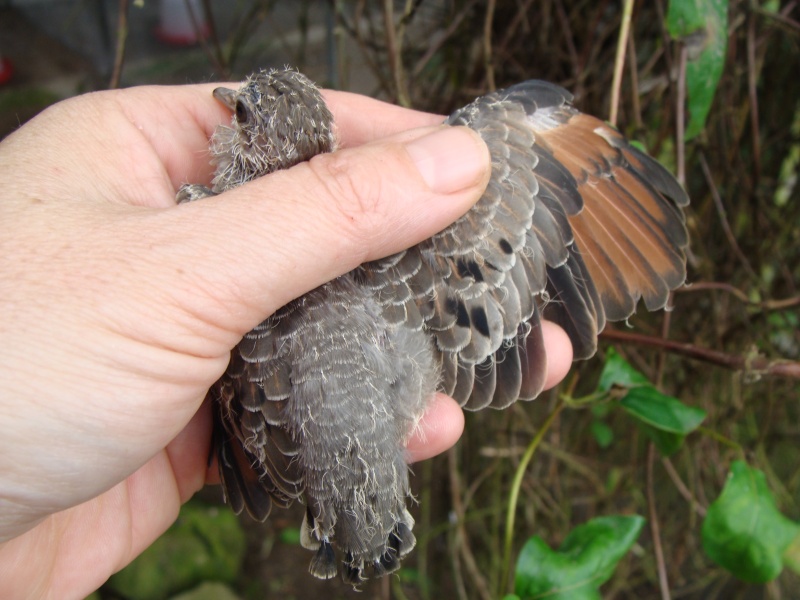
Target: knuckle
356,193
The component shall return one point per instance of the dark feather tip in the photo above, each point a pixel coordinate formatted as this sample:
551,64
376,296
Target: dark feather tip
353,575
402,540
323,565
388,563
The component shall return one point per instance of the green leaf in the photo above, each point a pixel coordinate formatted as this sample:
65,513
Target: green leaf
208,590
703,26
666,442
618,371
584,562
602,433
662,412
744,531
205,543
290,536
664,419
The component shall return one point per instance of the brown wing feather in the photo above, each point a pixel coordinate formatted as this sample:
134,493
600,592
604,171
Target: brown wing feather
630,234
575,221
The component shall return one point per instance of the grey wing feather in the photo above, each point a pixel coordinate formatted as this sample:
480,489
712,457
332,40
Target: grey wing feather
575,226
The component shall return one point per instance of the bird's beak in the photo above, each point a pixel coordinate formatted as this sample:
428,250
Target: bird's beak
227,96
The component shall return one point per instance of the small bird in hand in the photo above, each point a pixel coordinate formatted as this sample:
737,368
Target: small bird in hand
576,226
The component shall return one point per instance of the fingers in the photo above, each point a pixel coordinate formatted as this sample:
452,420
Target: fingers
438,430
360,119
443,422
559,353
280,236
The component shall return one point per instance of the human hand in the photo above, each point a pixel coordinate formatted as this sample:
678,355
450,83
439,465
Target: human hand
120,308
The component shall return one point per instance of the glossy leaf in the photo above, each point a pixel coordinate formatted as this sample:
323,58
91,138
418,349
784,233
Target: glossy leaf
744,531
663,412
618,371
584,562
664,419
703,26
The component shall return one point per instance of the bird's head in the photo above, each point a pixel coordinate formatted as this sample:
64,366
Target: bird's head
279,120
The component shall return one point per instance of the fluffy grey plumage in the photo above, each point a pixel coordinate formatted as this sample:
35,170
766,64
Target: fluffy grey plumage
576,226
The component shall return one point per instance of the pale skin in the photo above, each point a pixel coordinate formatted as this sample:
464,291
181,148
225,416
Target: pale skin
120,308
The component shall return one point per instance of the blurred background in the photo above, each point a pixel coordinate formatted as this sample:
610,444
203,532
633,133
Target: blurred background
710,88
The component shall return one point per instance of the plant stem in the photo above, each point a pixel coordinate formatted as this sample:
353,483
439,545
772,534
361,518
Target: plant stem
514,495
619,62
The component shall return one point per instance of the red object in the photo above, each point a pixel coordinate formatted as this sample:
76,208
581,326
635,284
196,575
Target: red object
181,39
181,22
6,70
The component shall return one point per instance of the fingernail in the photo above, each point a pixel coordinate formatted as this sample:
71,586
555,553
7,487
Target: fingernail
450,159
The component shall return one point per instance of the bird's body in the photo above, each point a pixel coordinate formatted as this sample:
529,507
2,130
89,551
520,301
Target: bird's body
318,401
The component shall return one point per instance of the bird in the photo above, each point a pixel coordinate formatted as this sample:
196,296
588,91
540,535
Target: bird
576,226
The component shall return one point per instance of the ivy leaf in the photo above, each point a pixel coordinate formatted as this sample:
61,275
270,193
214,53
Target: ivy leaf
618,371
703,26
584,562
663,412
744,531
665,420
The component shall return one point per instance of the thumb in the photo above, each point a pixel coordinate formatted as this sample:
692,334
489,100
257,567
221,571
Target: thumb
275,238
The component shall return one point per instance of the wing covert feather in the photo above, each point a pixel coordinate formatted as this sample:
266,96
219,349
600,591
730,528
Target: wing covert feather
576,226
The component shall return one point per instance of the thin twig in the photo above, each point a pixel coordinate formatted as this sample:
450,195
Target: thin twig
752,92
664,35
752,365
681,487
575,61
663,582
680,125
764,305
723,217
462,540
619,60
354,29
634,75
213,36
457,532
423,545
435,45
666,321
514,24
122,38
781,17
395,58
487,45
213,49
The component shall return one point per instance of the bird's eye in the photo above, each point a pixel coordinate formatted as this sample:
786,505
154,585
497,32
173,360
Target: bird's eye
242,113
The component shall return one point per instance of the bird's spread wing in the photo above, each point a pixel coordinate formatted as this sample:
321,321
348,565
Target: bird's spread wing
576,225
